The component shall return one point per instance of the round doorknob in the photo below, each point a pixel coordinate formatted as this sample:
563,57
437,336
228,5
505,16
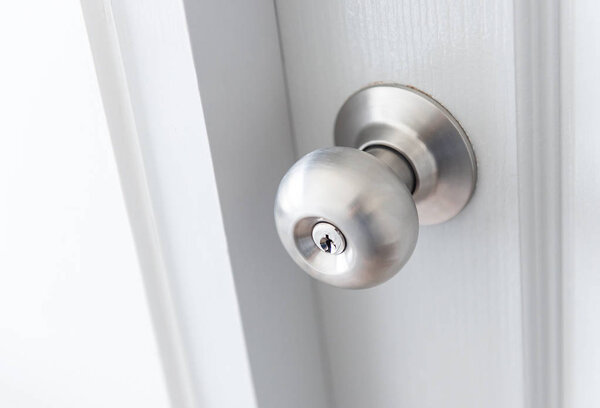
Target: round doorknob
345,218
349,215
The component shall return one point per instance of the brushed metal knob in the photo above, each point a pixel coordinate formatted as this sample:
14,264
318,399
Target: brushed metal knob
361,202
349,215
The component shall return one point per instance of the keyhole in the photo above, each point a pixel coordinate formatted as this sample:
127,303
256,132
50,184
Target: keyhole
328,238
327,244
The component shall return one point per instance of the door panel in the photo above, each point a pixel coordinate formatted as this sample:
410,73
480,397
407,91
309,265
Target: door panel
210,102
446,331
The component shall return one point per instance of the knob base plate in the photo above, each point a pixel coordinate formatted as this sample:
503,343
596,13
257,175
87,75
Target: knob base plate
425,133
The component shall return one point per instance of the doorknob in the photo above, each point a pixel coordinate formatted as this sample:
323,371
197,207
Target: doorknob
349,215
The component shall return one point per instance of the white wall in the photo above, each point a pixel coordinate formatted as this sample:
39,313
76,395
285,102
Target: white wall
74,324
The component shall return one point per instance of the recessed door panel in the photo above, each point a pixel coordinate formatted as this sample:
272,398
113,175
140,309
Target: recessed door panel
446,331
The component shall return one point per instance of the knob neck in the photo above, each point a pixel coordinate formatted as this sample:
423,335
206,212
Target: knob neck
397,163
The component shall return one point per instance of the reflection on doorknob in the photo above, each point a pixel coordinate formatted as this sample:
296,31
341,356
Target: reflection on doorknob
349,215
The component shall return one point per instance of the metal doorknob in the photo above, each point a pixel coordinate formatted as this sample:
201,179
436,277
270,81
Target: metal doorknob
349,215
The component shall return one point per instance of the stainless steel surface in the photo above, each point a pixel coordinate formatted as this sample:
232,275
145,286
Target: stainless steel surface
425,133
328,238
399,165
364,199
348,215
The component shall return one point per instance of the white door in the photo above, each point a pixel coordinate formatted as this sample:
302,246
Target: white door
210,103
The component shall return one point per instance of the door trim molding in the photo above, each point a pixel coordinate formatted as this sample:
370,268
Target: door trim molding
151,99
116,99
538,31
